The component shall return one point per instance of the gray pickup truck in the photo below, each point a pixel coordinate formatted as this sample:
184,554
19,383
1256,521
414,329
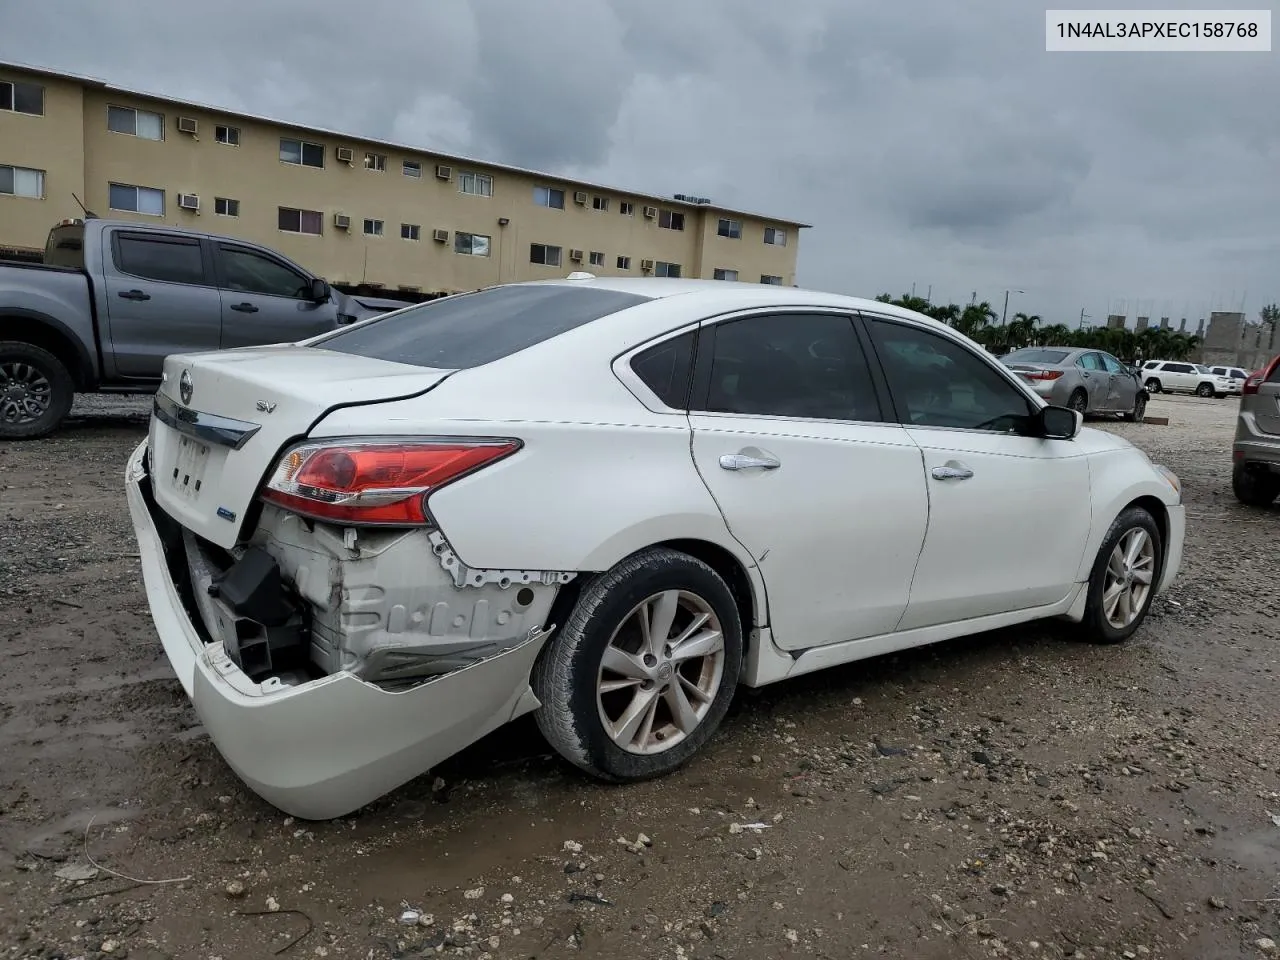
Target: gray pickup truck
113,298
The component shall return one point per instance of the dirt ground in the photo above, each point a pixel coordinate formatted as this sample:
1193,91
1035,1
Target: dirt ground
1016,794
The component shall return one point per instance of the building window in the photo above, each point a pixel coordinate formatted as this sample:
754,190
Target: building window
775,236
136,123
22,182
301,221
476,184
596,259
627,208
543,254
548,197
376,162
471,244
600,203
226,207
410,231
227,135
301,153
624,263
767,278
663,269
18,97
729,228
411,168
124,196
671,220
373,228
722,274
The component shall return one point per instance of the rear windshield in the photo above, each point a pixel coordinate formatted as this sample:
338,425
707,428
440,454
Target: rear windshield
1037,356
65,246
470,329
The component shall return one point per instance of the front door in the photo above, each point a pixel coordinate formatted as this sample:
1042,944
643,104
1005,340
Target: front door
1008,513
1095,379
160,299
1123,385
830,500
265,300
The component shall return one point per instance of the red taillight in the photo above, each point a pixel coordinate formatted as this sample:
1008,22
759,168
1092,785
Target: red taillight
1256,380
376,481
1042,374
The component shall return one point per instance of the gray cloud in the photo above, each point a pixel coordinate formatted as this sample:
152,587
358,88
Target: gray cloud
930,142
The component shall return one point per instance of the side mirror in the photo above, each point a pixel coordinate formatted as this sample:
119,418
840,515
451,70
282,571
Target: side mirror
319,289
1057,423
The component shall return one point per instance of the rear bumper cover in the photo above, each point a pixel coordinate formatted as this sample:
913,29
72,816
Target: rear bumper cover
324,748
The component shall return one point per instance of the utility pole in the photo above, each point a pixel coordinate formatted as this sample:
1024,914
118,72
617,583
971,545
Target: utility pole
1081,324
928,297
1004,315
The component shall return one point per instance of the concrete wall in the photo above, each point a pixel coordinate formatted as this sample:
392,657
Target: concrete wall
1115,321
1229,339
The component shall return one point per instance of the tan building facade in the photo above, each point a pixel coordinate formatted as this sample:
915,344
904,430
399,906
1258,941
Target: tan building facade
357,211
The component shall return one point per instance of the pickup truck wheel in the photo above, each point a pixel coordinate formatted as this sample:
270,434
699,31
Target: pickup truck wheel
643,670
36,391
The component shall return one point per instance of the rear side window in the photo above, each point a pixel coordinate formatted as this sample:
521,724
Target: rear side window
471,329
665,369
1179,368
173,260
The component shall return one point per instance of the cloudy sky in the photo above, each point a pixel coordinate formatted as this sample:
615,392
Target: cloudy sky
929,142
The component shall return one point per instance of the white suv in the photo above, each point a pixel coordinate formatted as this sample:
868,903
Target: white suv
1236,375
1177,376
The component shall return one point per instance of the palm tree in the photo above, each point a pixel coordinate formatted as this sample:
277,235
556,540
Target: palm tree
1054,335
1020,330
974,317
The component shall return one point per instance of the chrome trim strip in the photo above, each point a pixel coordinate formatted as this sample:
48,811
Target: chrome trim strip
209,427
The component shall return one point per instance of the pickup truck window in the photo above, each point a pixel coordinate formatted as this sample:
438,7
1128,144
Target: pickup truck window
250,272
152,257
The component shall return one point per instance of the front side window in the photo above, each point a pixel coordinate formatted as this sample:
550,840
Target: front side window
123,196
135,123
19,97
937,382
1179,368
172,260
1111,363
548,197
476,184
301,153
546,255
807,366
665,369
475,244
22,182
247,271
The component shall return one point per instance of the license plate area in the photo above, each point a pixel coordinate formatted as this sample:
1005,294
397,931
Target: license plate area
186,476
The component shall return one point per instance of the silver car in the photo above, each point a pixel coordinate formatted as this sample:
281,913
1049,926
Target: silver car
1255,455
1083,379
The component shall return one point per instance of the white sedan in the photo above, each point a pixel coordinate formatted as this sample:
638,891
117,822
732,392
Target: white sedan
609,502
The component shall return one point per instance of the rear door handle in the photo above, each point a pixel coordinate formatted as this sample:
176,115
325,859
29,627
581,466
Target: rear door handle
244,307
740,461
133,295
952,471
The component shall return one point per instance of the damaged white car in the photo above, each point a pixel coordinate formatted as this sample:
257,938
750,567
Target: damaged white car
609,502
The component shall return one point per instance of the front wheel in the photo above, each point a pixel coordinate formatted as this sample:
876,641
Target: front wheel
1153,386
36,391
1124,578
643,671
1139,410
1204,390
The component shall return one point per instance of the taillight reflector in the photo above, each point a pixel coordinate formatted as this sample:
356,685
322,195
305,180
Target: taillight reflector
1042,374
377,481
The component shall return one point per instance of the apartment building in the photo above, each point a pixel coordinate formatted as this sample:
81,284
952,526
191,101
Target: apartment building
358,211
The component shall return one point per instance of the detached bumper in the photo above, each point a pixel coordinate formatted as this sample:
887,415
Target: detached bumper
324,748
1176,538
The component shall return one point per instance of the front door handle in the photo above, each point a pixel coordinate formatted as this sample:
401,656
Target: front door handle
244,307
133,295
740,461
952,471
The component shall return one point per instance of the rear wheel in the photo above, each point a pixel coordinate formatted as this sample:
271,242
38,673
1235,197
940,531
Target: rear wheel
36,391
1204,390
1124,578
1078,401
1254,486
1139,410
643,671
1153,386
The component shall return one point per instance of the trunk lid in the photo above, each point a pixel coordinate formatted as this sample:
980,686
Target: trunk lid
221,419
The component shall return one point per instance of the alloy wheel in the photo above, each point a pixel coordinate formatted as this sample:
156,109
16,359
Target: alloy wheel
25,392
1130,574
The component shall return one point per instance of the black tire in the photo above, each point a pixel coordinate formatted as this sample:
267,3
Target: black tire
16,359
1254,487
566,675
1078,401
1139,410
1153,386
1204,390
1095,624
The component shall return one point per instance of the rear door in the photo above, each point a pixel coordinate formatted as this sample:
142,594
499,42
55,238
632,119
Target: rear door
1178,376
829,499
160,298
265,299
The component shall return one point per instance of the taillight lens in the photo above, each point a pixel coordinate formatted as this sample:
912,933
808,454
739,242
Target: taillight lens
377,481
1256,380
1043,374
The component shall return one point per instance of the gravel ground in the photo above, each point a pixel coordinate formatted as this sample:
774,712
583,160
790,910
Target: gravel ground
1015,794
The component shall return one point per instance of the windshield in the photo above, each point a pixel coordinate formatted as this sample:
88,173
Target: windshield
1200,367
1037,355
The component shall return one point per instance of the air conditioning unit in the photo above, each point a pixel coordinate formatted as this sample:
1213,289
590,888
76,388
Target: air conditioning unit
342,221
680,196
440,236
443,172
650,212
188,125
580,196
345,154
188,201
575,255
646,264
